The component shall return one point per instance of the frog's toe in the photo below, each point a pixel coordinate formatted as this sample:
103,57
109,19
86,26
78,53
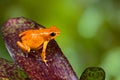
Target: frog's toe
45,61
28,50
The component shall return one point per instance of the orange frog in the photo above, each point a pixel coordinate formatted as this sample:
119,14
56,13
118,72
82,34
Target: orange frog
37,39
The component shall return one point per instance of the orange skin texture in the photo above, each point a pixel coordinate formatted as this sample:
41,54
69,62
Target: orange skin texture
37,39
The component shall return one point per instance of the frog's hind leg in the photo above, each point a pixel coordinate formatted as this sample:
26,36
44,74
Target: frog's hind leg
24,47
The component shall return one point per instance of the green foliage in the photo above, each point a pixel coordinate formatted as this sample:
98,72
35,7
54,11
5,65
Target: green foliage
89,29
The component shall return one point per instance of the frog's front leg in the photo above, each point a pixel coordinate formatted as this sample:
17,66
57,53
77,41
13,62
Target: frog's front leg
43,54
24,47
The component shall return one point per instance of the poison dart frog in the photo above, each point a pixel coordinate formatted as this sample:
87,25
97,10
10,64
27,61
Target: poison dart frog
37,39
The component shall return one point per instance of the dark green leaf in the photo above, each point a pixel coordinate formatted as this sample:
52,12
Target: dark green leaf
93,73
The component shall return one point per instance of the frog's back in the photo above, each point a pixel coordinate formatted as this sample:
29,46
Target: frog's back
33,40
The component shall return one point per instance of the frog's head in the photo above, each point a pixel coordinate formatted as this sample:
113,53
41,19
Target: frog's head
53,32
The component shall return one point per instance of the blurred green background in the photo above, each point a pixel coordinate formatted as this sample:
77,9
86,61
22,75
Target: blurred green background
90,29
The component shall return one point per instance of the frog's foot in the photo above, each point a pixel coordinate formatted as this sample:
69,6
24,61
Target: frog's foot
45,61
43,56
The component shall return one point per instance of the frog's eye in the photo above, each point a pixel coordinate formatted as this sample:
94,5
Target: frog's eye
52,34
